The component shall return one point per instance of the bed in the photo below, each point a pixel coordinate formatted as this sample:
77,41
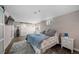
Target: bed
41,42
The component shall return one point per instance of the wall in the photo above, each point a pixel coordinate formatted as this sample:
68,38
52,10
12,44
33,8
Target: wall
66,23
69,23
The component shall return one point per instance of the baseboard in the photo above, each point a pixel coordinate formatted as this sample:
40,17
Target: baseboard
76,49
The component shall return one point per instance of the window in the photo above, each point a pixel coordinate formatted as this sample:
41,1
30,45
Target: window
48,22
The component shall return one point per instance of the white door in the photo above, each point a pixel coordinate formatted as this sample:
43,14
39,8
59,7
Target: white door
9,35
1,31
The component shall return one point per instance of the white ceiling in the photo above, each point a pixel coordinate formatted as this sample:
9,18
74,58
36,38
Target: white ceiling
25,13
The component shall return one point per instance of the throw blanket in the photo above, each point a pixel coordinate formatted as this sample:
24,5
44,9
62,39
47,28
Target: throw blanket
36,39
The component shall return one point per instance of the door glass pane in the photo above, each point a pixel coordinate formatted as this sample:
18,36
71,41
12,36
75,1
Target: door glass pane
1,15
1,32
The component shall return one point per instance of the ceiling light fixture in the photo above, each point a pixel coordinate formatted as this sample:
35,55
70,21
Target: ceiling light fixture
36,12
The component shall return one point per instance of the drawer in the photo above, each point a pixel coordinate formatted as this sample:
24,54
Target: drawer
67,41
68,46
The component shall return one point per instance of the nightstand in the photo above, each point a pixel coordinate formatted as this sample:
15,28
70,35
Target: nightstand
67,43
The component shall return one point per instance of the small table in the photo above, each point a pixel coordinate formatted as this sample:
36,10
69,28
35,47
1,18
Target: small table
67,43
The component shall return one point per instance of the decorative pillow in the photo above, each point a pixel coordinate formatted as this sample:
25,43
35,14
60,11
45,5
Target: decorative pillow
50,32
43,32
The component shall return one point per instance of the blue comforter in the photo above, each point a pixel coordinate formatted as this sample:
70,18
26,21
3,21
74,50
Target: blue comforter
36,39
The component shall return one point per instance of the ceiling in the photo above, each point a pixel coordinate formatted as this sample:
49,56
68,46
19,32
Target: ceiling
37,13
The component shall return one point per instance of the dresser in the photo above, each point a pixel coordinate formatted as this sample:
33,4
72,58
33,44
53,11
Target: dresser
67,42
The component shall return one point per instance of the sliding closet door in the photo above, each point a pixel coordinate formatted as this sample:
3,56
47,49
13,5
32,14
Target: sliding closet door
9,35
1,31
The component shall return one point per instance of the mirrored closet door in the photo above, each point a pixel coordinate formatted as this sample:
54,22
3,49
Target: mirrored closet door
1,31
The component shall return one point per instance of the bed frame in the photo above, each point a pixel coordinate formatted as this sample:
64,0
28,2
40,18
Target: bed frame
46,44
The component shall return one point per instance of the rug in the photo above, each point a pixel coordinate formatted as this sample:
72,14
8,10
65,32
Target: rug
23,47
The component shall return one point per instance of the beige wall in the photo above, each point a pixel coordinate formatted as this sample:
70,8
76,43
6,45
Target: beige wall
69,23
66,23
